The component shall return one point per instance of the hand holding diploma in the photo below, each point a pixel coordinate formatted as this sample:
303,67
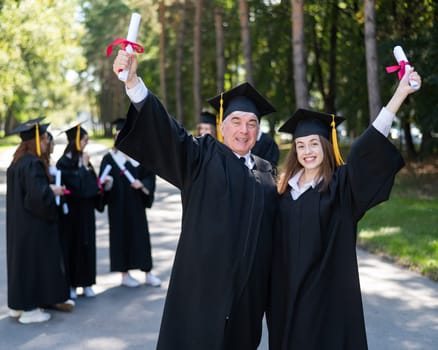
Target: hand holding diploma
105,178
403,66
129,44
135,183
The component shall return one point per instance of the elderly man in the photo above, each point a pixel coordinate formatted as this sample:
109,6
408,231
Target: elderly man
218,289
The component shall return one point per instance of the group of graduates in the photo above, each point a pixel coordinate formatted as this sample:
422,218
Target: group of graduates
51,230
253,244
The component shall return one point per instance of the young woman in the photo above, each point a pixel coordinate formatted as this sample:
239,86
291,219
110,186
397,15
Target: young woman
316,299
78,227
34,264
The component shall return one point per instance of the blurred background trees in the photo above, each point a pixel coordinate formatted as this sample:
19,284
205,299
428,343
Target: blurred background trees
326,55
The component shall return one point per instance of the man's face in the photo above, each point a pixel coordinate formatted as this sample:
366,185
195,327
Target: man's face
205,128
240,130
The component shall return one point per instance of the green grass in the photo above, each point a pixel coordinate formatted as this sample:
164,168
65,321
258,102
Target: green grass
404,230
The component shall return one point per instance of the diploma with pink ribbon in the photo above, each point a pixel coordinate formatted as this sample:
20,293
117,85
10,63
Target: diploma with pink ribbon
129,44
402,67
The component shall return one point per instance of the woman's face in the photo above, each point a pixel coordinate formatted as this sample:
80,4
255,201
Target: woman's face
84,141
44,143
309,151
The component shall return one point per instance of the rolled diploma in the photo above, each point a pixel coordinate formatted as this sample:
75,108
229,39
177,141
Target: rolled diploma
58,183
134,25
131,179
105,173
128,174
400,55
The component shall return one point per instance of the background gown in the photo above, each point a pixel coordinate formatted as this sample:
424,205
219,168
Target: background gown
78,227
34,263
219,284
267,149
316,300
130,246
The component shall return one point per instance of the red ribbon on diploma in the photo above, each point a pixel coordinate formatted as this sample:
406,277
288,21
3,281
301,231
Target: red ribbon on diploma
120,41
401,68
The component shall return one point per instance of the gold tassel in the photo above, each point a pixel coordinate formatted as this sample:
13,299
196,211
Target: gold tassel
78,138
37,140
219,122
338,157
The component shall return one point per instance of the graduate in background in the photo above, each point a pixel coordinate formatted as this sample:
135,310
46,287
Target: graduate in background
78,227
219,286
266,148
316,300
34,263
207,125
130,245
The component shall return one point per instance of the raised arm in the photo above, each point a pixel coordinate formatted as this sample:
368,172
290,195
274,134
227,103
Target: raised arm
403,90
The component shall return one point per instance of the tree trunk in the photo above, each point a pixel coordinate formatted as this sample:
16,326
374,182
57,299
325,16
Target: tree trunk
179,61
197,61
220,57
162,16
329,103
298,56
374,102
246,42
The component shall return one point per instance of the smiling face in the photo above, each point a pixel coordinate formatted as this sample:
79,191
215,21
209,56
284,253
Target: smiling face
240,130
309,152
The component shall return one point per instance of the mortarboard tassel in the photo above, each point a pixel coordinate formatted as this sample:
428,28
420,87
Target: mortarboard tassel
221,116
338,157
78,138
37,140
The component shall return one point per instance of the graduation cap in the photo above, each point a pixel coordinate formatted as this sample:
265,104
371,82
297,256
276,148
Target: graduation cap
208,118
306,122
31,129
75,132
244,98
118,123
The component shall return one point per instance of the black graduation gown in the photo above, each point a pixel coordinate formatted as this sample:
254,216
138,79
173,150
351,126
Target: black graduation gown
219,284
130,246
78,227
316,300
34,263
266,148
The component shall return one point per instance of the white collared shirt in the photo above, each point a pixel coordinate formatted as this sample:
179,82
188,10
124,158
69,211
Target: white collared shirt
249,161
296,191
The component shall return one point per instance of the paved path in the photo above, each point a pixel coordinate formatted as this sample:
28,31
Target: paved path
401,308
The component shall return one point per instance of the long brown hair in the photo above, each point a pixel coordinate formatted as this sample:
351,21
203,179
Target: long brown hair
29,147
292,166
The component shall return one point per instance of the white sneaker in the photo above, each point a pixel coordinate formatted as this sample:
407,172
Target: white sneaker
34,316
89,292
15,313
73,294
129,281
152,280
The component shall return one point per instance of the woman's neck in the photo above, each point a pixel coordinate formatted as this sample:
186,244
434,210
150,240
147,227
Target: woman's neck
307,176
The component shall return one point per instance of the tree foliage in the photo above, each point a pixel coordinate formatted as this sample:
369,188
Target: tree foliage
39,53
33,74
